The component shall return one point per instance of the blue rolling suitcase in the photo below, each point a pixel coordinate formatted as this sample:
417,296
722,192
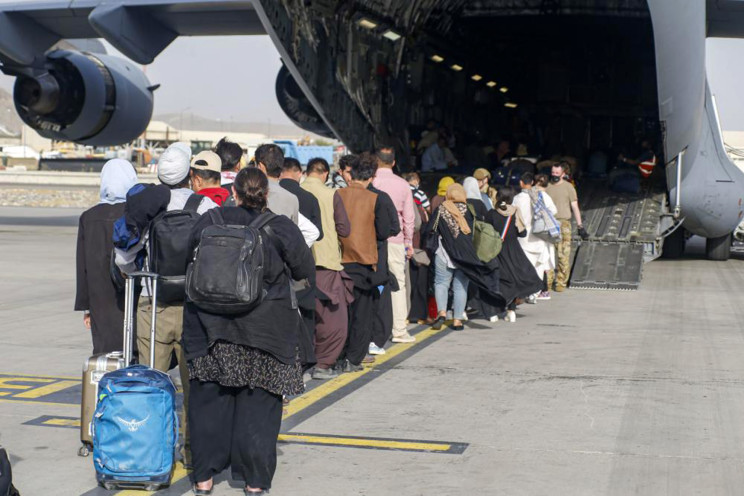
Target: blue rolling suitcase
135,425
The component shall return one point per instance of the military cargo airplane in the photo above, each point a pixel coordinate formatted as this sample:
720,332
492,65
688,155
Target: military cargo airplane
590,73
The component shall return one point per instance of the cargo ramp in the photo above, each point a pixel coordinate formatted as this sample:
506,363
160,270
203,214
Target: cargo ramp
625,231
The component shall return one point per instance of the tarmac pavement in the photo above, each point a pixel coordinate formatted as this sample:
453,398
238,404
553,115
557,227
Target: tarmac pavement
589,393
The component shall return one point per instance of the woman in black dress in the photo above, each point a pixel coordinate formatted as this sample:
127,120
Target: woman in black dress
241,365
96,293
517,277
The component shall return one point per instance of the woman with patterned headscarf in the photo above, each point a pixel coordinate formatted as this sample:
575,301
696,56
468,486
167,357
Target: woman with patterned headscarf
455,260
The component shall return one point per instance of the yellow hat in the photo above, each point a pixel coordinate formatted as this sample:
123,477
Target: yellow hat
444,183
481,174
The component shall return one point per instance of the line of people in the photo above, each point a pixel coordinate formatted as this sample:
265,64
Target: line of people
350,261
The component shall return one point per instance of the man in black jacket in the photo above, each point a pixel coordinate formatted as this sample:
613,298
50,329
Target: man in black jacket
289,179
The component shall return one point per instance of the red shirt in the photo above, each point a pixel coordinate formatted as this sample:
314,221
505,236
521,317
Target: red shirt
217,195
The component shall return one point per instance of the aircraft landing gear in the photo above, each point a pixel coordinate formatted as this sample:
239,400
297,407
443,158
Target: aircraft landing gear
718,248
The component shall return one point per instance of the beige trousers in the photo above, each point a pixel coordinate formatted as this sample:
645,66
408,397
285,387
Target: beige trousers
168,331
397,263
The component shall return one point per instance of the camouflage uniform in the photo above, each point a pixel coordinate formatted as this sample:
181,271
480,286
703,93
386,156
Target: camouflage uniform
562,259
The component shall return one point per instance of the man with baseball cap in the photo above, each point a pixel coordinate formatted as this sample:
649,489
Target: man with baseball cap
206,168
483,176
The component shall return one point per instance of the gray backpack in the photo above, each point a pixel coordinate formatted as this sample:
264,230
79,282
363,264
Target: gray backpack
227,271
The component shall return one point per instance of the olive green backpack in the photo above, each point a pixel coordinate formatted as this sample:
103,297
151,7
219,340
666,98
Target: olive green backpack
486,238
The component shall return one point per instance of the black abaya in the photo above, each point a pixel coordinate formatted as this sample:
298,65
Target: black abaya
96,291
517,277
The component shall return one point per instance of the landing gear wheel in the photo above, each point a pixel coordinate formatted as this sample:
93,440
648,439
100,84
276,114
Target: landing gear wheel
718,248
674,244
84,450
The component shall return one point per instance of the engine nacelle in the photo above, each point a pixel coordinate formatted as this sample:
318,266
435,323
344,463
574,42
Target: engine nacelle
93,99
296,105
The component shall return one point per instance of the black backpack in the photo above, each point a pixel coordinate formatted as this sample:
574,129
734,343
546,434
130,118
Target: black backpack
168,249
6,476
227,272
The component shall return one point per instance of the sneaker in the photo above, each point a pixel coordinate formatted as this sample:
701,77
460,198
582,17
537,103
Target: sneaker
532,299
543,295
350,367
323,374
494,318
376,350
511,316
405,338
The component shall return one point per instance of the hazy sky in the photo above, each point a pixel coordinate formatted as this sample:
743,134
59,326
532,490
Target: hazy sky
224,77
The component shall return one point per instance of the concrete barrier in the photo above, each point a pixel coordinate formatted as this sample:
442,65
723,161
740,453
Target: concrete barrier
51,178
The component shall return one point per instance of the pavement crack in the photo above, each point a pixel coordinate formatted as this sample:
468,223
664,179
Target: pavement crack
586,405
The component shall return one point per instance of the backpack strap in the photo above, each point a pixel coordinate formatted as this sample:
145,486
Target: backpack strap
193,202
262,220
216,215
506,227
471,209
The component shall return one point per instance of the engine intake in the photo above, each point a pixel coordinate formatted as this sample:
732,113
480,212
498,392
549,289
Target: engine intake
296,105
93,99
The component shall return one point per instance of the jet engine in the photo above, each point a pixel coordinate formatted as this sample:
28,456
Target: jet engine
93,99
297,106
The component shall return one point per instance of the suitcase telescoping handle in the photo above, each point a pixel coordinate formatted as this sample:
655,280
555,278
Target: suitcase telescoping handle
129,305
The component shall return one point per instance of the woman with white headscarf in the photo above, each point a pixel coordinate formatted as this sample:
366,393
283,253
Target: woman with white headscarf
96,293
475,200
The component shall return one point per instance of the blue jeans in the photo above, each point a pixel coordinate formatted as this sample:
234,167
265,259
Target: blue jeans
442,279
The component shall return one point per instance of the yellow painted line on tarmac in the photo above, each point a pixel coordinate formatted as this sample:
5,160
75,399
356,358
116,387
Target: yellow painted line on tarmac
58,377
48,389
178,473
365,443
300,403
6,382
62,422
34,402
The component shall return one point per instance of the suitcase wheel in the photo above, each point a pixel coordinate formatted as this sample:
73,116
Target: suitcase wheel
109,486
84,450
152,487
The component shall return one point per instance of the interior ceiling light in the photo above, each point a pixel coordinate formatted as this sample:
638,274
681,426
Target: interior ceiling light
476,77
391,35
491,84
503,89
366,23
510,105
437,58
456,68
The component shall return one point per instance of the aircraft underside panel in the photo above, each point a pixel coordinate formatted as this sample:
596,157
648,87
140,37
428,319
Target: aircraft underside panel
624,233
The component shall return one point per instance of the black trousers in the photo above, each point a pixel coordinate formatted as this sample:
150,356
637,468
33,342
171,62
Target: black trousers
236,427
383,318
361,322
419,292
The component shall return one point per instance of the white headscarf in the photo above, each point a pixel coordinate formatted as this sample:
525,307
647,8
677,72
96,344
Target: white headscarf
471,189
117,177
174,164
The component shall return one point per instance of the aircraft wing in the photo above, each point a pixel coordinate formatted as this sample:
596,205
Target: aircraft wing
725,18
140,29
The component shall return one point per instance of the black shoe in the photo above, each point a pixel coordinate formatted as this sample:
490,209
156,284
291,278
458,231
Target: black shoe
457,327
202,492
437,324
259,493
